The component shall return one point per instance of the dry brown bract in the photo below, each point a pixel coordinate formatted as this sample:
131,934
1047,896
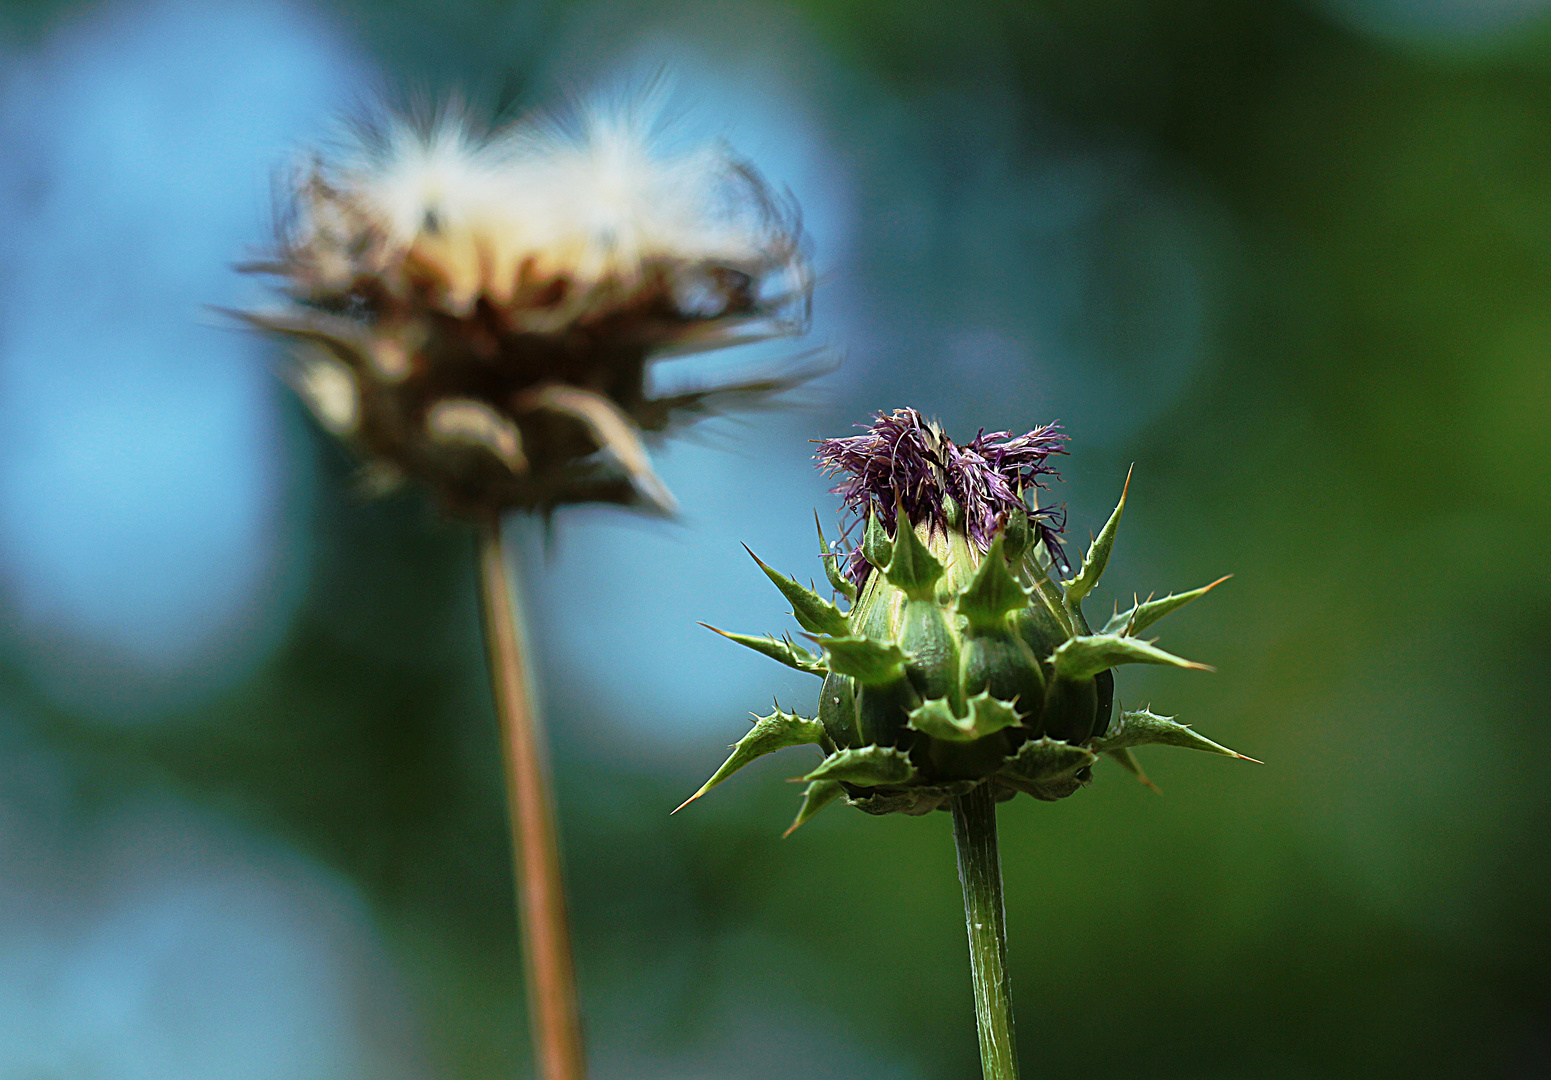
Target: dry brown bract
480,312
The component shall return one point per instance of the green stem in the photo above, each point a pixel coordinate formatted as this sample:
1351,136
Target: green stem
980,872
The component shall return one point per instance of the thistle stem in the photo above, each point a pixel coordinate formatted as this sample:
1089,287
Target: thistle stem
551,976
980,872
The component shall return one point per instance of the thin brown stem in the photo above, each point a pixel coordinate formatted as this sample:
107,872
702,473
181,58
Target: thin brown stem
552,1008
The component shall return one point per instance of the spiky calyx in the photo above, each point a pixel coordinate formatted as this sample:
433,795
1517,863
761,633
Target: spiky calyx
480,312
958,664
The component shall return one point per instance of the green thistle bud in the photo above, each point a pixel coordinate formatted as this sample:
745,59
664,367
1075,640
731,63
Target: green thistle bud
964,658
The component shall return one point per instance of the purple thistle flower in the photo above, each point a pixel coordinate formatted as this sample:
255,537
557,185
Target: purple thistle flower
905,459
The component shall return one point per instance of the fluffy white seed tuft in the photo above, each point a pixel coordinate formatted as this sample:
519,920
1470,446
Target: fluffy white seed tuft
479,311
595,207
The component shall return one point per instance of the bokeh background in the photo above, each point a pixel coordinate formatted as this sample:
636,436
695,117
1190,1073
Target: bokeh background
1292,258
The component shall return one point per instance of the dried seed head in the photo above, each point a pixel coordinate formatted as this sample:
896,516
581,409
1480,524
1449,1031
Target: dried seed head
480,311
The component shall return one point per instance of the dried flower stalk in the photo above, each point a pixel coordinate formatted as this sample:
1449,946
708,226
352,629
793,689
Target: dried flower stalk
479,313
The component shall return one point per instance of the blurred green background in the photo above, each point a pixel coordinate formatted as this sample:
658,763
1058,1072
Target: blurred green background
1293,260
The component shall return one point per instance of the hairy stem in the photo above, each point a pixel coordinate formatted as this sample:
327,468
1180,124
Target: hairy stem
551,977
980,872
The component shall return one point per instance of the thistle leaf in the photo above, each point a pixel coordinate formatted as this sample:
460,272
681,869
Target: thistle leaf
1139,617
1048,759
864,659
935,717
1047,769
817,795
992,593
832,561
914,801
1127,761
1044,594
1145,728
877,548
780,649
866,766
986,715
1018,534
912,570
769,734
1098,554
1086,656
812,612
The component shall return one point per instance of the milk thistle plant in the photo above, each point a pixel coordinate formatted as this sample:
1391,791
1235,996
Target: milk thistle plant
963,670
479,313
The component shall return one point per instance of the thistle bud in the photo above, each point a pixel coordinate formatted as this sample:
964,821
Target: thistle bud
964,656
480,313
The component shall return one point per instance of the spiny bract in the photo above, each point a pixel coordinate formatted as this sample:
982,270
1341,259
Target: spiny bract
960,660
479,311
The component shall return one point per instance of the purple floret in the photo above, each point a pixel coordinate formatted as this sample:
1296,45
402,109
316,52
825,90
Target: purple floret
905,458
